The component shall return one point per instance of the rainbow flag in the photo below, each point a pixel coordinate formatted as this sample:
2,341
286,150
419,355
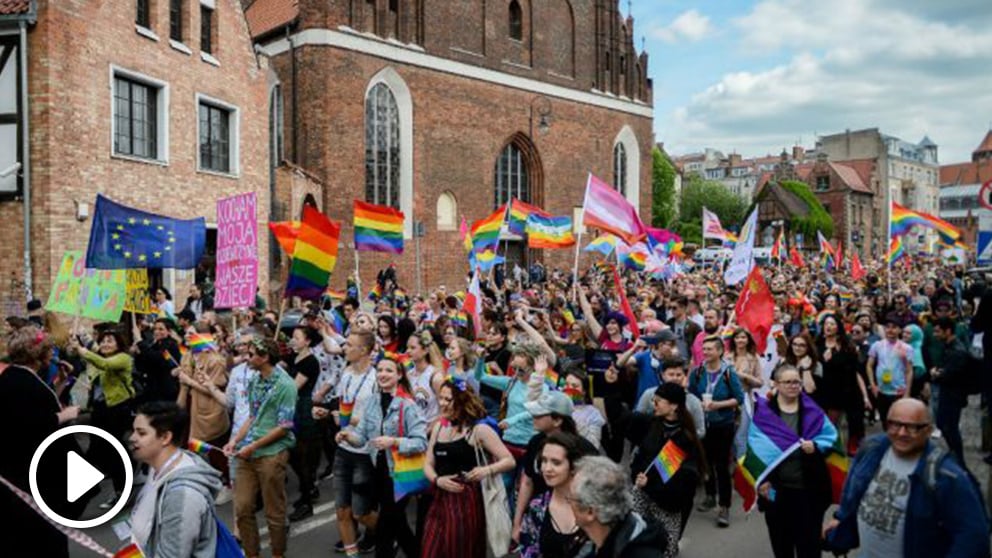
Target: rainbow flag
378,228
519,212
552,378
896,250
778,247
549,232
904,219
460,320
485,232
576,395
200,342
168,357
375,294
604,244
200,447
770,440
669,460
315,255
486,259
345,410
633,257
286,233
129,551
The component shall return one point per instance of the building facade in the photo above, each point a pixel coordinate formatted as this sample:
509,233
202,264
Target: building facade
150,103
907,174
960,184
447,110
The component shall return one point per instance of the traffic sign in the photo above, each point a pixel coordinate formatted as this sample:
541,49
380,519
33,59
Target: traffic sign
985,195
984,247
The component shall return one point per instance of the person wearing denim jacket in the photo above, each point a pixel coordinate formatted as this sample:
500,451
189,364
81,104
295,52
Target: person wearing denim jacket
944,515
390,420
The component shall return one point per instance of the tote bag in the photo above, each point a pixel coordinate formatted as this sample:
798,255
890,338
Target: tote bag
498,525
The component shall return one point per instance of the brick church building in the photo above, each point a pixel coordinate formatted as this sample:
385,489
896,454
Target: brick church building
447,109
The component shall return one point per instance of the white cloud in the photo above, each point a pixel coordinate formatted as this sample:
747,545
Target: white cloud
851,64
690,26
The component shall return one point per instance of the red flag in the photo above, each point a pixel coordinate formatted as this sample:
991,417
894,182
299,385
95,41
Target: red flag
755,308
796,258
839,255
473,303
625,306
857,271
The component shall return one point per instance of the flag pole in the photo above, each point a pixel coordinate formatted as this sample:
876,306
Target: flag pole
581,225
888,241
358,280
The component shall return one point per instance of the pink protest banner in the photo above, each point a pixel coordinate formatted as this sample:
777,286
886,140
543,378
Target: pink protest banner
237,252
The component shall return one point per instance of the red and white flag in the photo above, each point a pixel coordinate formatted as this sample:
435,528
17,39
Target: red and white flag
473,303
607,210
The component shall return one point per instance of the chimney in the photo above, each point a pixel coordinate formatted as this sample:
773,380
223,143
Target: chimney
798,153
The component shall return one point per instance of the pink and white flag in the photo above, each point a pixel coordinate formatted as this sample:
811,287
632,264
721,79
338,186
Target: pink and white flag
607,210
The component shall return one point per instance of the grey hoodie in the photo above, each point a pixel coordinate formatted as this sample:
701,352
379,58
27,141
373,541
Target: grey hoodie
184,518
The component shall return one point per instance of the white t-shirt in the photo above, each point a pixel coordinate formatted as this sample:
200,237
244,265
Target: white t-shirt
237,395
331,366
353,391
882,513
423,393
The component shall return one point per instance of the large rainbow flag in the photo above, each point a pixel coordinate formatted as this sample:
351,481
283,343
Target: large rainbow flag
286,233
904,219
485,232
378,228
314,256
519,212
201,342
770,440
896,250
549,232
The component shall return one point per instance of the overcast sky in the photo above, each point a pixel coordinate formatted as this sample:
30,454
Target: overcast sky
755,76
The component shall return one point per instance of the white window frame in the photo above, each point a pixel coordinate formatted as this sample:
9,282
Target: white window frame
633,148
404,104
233,130
161,115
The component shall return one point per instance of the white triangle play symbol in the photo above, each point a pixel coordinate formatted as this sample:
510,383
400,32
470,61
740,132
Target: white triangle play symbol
80,476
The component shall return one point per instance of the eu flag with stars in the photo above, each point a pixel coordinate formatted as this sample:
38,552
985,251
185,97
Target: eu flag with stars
123,237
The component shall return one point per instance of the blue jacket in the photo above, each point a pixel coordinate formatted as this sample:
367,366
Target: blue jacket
728,386
372,425
947,519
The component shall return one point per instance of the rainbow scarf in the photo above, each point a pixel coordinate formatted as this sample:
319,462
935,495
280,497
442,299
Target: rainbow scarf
378,228
576,395
669,460
201,342
408,470
770,441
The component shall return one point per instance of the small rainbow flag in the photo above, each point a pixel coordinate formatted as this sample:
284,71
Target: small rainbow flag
904,219
519,213
604,244
345,410
200,342
168,357
129,551
485,232
549,232
576,395
669,460
378,228
552,377
314,256
460,319
200,447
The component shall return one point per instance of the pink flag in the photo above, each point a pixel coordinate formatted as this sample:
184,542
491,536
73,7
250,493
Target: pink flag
606,209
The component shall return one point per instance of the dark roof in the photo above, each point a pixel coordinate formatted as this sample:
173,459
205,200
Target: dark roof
14,7
265,16
793,204
851,178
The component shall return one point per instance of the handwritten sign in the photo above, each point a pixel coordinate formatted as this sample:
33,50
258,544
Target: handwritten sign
237,252
137,300
90,293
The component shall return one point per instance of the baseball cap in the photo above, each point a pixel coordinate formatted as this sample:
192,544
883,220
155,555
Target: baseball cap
552,402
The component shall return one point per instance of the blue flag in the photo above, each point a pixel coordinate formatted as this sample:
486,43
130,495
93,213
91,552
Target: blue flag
122,237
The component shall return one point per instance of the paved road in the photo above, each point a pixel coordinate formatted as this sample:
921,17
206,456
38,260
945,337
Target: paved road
746,536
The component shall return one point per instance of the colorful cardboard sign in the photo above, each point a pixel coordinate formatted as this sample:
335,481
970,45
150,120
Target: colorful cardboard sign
88,293
237,252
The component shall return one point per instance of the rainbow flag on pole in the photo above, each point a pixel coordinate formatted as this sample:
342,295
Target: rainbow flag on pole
200,342
315,255
904,219
604,244
669,460
378,228
519,212
485,232
896,250
286,233
770,440
549,232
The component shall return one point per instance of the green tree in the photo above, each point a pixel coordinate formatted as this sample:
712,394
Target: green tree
697,193
816,220
662,190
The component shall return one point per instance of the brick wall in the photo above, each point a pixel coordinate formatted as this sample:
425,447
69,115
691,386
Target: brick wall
71,50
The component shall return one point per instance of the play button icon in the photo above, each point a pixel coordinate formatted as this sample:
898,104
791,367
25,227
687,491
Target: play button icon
82,479
60,477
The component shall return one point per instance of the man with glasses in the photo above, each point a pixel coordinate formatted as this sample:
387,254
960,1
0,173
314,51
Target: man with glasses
261,449
906,496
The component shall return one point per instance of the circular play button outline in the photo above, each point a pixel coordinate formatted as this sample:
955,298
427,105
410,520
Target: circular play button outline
128,476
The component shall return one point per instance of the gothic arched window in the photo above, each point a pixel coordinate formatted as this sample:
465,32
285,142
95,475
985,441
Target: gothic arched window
382,147
511,177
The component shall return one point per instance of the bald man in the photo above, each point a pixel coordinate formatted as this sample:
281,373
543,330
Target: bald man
906,495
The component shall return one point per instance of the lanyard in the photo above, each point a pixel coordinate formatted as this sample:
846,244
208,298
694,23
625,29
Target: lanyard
361,384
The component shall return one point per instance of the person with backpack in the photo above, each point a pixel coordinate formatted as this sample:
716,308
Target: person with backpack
716,384
174,513
905,496
952,374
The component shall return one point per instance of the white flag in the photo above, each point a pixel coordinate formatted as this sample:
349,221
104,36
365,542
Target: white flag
743,259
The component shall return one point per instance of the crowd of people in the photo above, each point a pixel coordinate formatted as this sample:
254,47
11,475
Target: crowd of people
545,427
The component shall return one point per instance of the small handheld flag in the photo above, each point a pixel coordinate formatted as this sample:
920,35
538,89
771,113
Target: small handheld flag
668,461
